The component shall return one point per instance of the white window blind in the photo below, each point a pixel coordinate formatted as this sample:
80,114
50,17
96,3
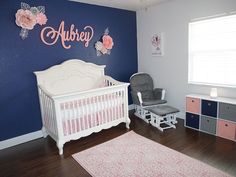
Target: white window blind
212,52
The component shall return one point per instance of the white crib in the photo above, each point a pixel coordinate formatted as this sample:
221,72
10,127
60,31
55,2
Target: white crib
77,99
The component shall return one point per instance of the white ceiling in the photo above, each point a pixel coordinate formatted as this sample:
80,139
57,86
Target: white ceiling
123,4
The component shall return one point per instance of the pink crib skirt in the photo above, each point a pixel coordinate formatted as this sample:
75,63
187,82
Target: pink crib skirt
76,123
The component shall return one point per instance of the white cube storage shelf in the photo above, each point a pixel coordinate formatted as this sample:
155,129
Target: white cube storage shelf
216,116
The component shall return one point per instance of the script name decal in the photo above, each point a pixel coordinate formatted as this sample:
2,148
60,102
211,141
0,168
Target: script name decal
50,36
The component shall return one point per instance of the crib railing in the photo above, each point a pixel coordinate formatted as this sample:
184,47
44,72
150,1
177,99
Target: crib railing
65,116
47,112
83,113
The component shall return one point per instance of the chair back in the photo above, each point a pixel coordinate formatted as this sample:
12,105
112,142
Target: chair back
141,82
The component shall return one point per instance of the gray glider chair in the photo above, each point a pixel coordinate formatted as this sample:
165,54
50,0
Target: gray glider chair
145,95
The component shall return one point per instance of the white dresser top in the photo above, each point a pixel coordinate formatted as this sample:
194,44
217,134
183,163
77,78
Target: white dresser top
218,99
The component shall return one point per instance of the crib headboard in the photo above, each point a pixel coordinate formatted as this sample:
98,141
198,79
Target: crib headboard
70,76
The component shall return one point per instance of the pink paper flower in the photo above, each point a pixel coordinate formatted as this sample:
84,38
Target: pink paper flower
41,19
25,19
107,42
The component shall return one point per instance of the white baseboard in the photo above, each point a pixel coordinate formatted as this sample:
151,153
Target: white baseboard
38,134
131,107
20,139
28,137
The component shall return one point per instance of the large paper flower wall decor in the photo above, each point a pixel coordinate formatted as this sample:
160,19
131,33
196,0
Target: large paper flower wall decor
105,45
27,17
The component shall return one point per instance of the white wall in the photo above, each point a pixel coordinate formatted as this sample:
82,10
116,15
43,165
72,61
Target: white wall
171,70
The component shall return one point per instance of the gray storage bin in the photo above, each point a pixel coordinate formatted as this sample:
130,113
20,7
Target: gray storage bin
208,124
227,111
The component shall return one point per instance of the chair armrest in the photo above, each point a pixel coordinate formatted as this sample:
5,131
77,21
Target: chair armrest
136,97
159,93
140,98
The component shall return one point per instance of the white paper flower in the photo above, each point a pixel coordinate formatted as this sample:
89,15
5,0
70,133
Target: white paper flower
99,46
104,46
103,50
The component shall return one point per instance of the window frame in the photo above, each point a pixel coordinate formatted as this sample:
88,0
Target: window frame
190,57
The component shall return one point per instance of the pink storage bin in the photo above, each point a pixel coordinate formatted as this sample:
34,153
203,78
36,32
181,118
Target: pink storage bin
193,105
226,129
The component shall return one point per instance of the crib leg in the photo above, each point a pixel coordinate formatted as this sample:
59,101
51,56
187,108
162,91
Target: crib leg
44,132
127,122
60,147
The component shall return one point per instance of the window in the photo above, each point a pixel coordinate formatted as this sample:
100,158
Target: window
212,52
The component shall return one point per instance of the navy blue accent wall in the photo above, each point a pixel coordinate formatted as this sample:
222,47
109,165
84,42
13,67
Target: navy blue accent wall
19,105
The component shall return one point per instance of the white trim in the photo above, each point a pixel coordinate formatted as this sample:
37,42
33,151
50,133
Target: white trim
131,107
38,134
28,137
213,16
211,84
20,139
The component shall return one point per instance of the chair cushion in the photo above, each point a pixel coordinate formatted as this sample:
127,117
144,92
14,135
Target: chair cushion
162,110
141,82
153,102
147,95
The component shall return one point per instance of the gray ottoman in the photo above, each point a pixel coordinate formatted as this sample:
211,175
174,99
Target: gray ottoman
163,115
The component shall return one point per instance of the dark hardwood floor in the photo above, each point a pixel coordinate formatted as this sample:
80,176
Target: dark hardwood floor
39,158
